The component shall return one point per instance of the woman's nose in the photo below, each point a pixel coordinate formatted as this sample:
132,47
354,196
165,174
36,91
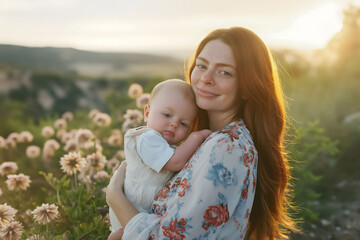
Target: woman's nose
207,77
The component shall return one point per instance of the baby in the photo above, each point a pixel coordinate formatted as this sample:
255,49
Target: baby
155,152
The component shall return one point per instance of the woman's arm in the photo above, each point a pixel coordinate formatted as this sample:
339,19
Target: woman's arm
210,198
184,152
116,199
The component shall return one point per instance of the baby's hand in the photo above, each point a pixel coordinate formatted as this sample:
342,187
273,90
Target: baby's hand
201,135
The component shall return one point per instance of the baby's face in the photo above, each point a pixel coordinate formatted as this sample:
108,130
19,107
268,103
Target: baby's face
171,115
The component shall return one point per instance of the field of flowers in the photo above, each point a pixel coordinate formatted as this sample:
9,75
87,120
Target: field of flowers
53,179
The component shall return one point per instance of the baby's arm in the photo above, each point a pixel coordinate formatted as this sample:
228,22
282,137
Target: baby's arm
184,152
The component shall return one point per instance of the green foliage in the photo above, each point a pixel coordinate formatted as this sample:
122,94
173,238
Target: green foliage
312,152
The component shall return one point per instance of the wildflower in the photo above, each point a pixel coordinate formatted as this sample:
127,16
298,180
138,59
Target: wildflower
26,136
133,115
8,167
101,175
142,100
83,136
66,136
18,182
50,146
120,154
92,145
113,163
35,237
7,214
96,161
14,137
115,140
93,113
102,119
45,213
135,90
2,142
10,143
72,162
60,133
13,231
60,124
47,132
68,116
32,151
71,146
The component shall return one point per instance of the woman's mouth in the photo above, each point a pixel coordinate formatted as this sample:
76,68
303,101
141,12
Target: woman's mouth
205,93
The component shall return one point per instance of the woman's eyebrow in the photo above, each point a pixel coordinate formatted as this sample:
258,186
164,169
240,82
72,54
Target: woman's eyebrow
219,64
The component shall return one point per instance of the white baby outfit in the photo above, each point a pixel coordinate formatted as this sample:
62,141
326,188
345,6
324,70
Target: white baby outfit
146,153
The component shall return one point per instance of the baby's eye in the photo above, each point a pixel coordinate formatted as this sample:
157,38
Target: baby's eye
183,124
166,115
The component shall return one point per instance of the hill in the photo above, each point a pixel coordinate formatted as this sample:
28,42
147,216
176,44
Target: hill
88,63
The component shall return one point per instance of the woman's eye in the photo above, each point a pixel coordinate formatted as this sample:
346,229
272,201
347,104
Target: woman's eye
225,73
201,66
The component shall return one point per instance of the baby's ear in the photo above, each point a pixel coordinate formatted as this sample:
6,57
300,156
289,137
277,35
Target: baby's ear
146,112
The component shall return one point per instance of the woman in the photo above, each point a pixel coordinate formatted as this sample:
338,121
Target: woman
235,185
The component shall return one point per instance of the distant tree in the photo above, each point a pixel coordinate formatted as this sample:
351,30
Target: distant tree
345,45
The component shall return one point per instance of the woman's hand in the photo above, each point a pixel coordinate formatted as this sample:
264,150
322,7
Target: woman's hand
116,184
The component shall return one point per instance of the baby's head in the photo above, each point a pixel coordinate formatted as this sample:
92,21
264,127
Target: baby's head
171,110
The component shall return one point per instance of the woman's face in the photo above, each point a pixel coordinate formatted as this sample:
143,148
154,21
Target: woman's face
214,79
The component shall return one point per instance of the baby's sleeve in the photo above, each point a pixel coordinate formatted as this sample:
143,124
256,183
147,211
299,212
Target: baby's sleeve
153,149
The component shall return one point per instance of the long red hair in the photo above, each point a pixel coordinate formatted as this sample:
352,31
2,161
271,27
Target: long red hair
262,109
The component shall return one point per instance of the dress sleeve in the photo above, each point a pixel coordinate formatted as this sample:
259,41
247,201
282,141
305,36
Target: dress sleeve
153,149
210,198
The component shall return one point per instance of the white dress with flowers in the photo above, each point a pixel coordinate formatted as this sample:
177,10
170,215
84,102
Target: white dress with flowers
210,198
146,152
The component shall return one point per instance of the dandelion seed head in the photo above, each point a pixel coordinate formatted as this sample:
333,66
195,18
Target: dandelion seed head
83,136
102,119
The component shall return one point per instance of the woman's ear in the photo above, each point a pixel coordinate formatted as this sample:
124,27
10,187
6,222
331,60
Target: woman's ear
146,112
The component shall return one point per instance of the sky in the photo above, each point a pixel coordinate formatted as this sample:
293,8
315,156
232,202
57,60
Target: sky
171,27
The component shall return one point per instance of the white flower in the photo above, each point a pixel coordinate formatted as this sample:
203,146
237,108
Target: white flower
8,167
26,136
102,119
93,113
47,132
96,161
135,90
60,124
83,136
142,100
68,116
13,231
72,162
32,151
18,182
7,214
45,213
101,175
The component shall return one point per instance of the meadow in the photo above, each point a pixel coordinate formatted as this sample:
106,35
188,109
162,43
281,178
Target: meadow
61,137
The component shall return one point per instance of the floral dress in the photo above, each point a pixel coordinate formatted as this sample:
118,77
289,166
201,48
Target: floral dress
210,198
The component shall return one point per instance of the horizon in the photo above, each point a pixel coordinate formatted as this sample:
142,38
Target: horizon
158,27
